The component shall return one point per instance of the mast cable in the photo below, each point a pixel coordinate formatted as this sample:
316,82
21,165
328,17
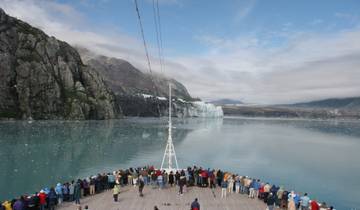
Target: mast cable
147,55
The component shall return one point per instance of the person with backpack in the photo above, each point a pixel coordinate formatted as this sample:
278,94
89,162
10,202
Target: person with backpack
195,205
270,201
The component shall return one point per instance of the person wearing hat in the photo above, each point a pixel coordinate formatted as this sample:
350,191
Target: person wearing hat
42,199
59,192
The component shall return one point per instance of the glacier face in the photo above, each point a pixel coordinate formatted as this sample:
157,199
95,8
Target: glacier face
182,108
202,109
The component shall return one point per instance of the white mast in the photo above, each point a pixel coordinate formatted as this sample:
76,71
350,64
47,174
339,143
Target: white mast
169,149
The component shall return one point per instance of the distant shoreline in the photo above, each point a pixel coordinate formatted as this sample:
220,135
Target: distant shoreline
251,111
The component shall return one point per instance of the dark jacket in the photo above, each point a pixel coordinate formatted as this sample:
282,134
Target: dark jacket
19,205
52,197
195,205
271,200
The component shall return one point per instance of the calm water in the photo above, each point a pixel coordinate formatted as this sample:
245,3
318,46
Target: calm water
319,157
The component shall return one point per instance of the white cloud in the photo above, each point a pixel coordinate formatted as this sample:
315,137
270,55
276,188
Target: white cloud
347,16
309,66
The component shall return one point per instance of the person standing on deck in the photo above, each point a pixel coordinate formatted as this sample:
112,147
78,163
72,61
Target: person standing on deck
182,182
291,201
171,179
279,196
160,180
212,179
92,186
195,205
111,181
267,188
77,192
116,191
177,177
304,202
247,183
19,204
257,186
141,185
271,201
252,189
237,184
314,205
224,186
230,184
59,193
52,199
7,205
42,199
71,191
219,177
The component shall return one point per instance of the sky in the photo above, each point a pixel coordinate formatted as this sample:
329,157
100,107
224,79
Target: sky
256,51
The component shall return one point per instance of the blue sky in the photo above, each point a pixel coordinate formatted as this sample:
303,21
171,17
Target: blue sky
259,51
185,21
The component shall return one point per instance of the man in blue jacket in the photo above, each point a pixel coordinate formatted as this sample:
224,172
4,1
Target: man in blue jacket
195,205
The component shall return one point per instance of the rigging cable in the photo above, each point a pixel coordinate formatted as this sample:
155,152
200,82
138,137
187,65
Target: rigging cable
157,29
147,55
160,31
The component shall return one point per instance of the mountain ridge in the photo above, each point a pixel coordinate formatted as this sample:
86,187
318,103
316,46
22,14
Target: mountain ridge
44,78
334,103
225,101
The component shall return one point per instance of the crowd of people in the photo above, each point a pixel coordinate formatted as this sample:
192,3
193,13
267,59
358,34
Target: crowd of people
230,184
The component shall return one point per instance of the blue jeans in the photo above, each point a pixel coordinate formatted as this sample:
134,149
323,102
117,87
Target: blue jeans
42,206
146,180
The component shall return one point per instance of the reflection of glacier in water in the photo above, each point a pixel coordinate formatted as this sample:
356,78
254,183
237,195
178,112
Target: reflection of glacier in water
320,157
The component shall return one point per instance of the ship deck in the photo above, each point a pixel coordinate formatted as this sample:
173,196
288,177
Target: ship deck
166,199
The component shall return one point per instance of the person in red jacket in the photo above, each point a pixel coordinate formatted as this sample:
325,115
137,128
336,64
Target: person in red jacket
314,205
42,200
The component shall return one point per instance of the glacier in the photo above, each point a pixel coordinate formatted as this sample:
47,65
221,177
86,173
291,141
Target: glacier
183,108
202,109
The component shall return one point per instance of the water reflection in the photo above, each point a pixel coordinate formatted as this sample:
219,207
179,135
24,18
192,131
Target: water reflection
320,157
43,153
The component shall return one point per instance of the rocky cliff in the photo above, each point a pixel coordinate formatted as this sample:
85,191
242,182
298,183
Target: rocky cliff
138,93
44,78
125,79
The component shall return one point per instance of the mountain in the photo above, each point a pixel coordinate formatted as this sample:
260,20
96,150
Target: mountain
333,103
124,79
346,108
138,93
44,78
225,101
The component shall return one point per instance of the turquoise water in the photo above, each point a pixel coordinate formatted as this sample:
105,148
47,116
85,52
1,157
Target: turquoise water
319,157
